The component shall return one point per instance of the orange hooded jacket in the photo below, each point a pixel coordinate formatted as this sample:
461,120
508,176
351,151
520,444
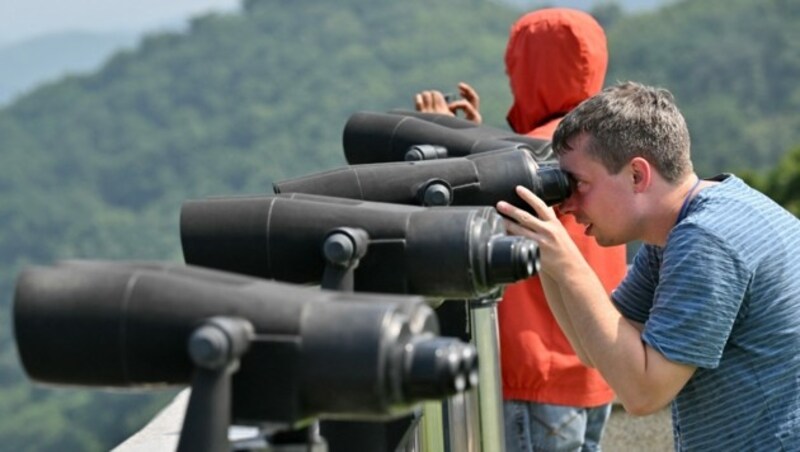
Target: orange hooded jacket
555,59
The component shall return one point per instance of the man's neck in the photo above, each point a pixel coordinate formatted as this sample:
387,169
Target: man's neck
668,199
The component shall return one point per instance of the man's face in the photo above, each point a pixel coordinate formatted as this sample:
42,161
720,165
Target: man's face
600,201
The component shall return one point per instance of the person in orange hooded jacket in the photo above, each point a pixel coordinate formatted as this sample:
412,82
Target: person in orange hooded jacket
555,58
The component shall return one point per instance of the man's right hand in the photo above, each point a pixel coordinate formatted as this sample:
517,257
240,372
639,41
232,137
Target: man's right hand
434,102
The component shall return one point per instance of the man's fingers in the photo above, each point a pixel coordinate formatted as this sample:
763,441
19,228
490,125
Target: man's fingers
540,207
427,98
525,219
422,101
468,93
438,100
431,101
514,228
470,113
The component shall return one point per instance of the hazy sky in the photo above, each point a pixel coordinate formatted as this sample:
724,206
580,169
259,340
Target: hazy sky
23,19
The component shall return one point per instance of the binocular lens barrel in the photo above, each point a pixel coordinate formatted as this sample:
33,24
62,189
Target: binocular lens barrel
511,259
440,366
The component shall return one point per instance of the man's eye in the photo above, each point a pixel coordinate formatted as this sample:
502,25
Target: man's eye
580,185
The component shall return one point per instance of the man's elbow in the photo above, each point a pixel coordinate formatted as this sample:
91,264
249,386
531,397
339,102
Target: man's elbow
642,406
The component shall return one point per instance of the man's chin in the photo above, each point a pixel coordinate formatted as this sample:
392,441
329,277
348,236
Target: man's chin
606,242
602,240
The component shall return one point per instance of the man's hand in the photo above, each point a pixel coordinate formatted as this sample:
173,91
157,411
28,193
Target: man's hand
433,101
556,248
470,103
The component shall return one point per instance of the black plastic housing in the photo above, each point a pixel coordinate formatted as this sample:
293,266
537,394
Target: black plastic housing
439,252
476,180
371,137
315,353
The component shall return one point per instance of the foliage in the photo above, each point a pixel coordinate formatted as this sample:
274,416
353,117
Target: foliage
782,183
97,166
733,68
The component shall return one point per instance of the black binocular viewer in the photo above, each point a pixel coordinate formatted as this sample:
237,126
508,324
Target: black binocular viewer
410,223
295,352
371,137
447,252
475,180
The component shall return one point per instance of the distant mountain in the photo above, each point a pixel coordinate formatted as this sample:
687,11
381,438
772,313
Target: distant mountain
49,57
97,165
29,63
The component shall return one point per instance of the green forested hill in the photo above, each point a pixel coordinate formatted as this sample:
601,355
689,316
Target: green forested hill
97,166
733,67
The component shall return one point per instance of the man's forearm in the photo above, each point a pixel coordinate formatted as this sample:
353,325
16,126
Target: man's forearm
609,342
643,379
556,304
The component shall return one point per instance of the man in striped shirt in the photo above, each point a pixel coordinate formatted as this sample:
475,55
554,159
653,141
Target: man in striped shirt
708,317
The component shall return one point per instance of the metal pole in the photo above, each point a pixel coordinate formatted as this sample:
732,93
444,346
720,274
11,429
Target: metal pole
490,391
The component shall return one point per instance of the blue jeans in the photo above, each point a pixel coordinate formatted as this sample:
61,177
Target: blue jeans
534,427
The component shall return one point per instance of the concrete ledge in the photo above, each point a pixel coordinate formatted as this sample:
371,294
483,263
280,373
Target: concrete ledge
624,433
162,432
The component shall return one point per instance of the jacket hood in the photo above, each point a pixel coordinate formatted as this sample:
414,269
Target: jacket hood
555,58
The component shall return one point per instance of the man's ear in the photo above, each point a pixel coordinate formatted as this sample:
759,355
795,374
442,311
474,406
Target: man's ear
641,173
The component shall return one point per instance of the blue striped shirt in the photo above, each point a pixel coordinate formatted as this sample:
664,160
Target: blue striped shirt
723,295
